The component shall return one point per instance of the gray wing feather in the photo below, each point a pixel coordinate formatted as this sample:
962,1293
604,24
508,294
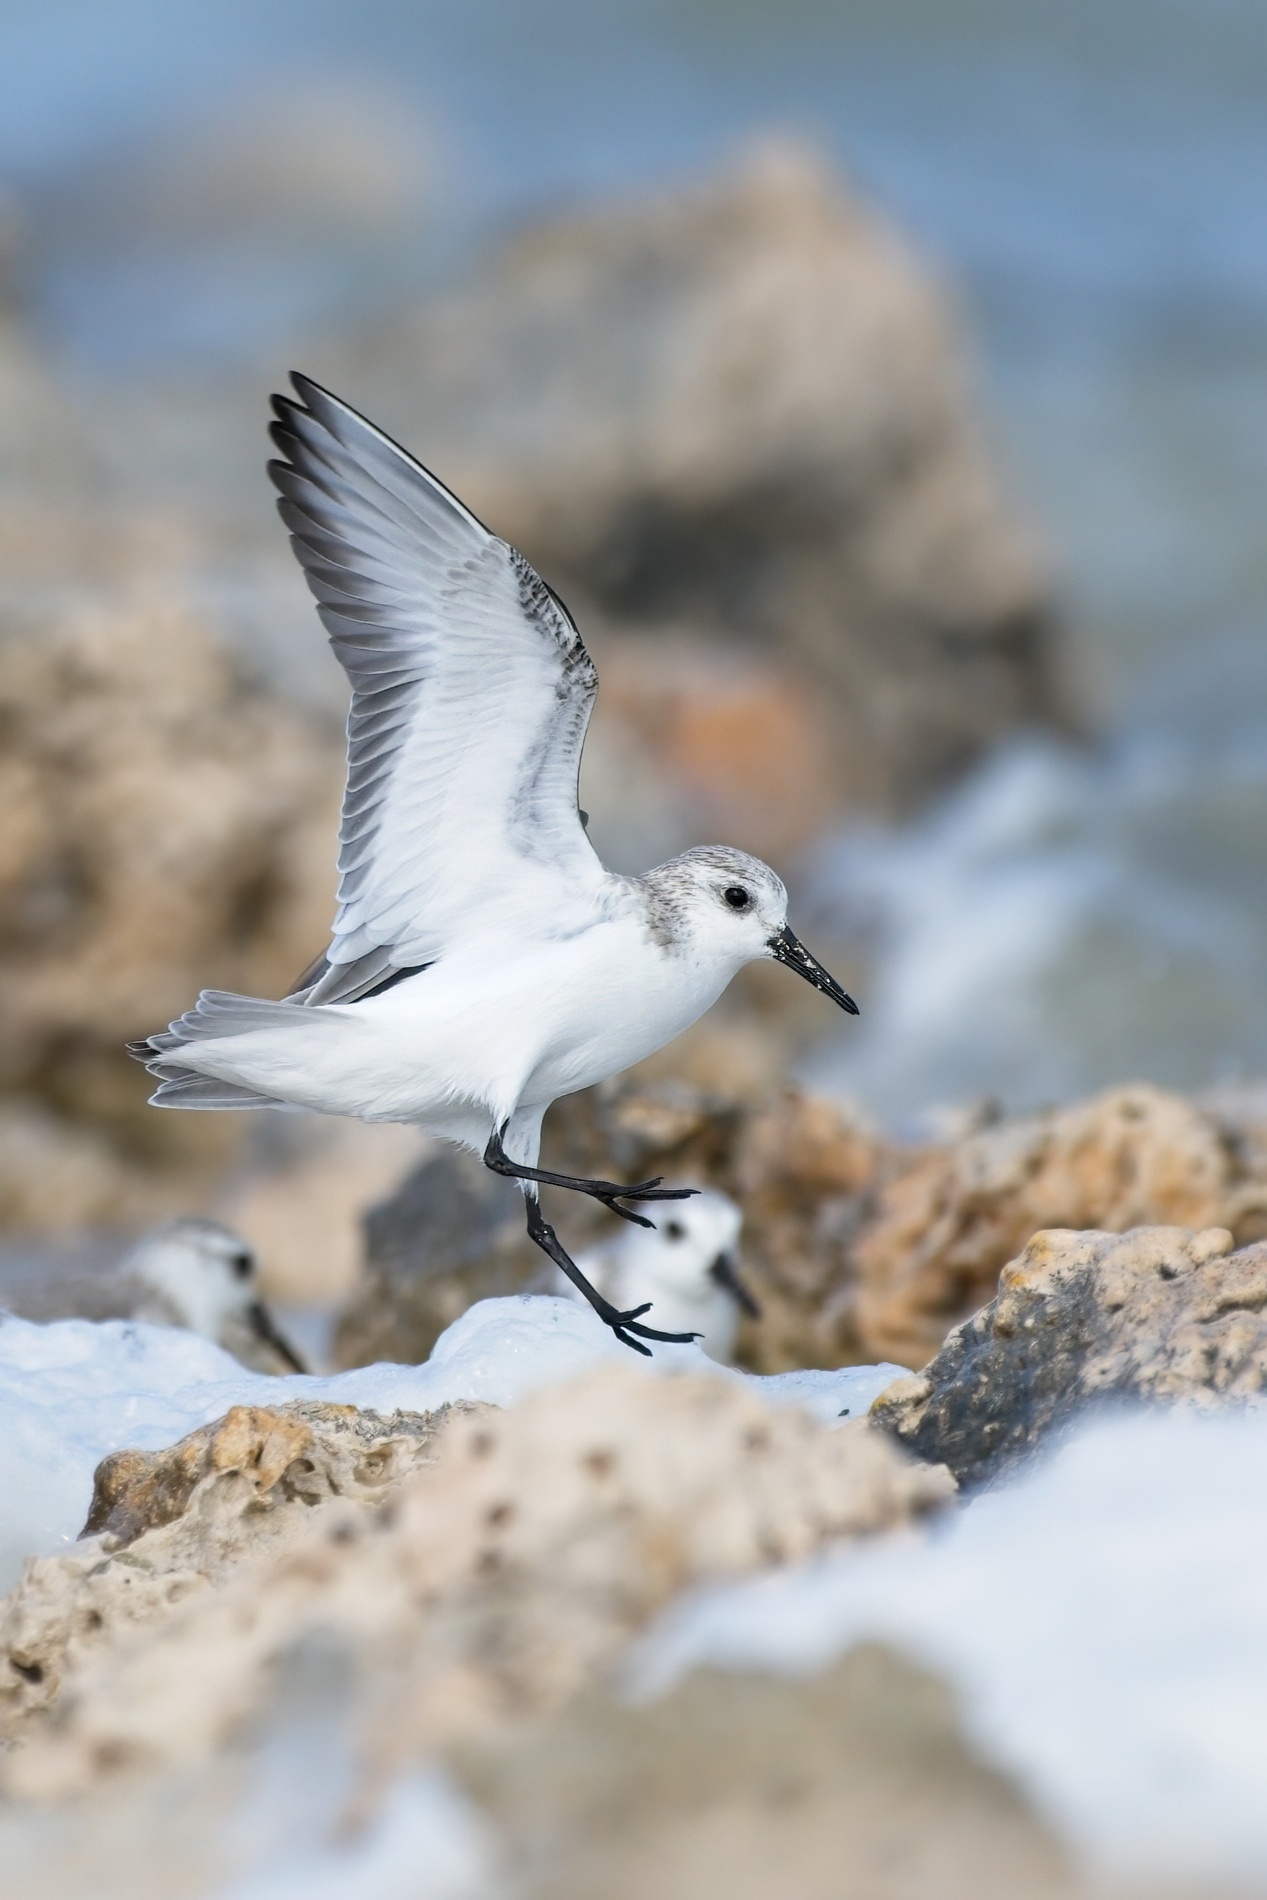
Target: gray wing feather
471,695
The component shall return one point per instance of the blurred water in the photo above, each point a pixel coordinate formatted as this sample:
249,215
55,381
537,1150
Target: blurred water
1094,179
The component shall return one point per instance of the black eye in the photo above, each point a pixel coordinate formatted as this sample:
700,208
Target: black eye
737,897
242,1262
674,1230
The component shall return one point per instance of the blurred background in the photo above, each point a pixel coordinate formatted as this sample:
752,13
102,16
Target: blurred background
884,387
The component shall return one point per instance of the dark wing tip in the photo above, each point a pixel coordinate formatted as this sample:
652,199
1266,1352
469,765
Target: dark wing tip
305,386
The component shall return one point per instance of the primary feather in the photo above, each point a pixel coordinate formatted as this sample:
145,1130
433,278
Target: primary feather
471,695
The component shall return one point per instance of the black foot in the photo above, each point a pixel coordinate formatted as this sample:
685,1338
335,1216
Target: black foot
624,1325
609,1193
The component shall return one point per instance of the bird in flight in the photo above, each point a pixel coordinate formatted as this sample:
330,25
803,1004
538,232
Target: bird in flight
483,961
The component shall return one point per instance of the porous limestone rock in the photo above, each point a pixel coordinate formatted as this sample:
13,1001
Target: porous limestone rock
951,1216
163,1525
860,1248
502,1575
1158,1313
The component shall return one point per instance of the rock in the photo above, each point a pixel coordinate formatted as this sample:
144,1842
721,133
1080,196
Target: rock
806,1171
451,1234
167,829
163,1525
856,1783
802,1169
304,1211
863,1249
952,1216
1158,1313
740,409
858,1249
504,1573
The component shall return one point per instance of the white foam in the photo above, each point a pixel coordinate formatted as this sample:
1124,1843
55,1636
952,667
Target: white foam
73,1391
1031,942
1105,1619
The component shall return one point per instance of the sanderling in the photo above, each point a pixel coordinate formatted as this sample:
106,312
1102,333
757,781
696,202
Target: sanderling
190,1273
686,1268
482,962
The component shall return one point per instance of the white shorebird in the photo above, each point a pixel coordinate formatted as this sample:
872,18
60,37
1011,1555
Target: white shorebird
483,962
686,1267
194,1274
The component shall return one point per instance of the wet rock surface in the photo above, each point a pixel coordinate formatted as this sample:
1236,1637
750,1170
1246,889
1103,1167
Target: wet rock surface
1159,1313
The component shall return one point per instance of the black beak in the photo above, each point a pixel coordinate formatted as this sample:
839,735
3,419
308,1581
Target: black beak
725,1270
786,948
263,1328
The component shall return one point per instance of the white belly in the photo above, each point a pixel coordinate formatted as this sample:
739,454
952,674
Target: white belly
459,1047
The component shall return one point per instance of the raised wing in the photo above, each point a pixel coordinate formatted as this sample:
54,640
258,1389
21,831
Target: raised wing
471,693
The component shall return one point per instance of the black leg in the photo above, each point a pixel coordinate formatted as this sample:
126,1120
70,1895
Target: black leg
622,1324
610,1193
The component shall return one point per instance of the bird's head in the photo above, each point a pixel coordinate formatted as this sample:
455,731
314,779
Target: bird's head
208,1276
681,1250
734,907
205,1271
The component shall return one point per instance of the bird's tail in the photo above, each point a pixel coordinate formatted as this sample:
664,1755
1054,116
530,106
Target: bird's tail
216,1015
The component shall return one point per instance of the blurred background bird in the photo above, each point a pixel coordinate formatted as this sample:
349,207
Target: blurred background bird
191,1273
687,1265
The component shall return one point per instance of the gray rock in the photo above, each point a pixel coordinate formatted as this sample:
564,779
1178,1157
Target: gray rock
452,1234
1159,1313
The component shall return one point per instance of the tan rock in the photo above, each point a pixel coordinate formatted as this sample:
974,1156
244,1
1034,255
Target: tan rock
1156,1313
503,1575
164,1525
304,1215
166,829
952,1216
695,739
856,1784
